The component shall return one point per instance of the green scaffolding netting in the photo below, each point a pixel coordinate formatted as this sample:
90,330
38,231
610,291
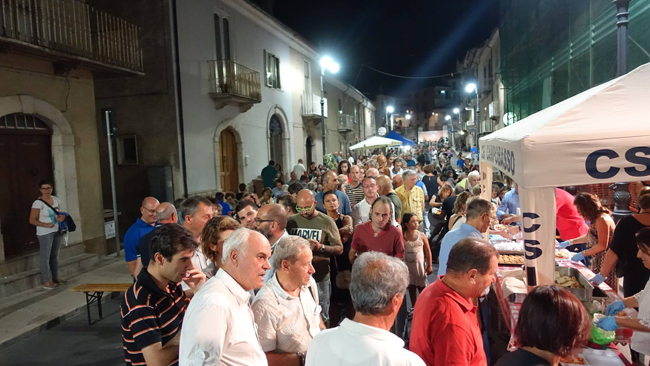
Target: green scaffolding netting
554,49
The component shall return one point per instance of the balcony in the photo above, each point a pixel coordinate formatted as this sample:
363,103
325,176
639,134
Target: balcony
310,109
234,84
346,123
71,33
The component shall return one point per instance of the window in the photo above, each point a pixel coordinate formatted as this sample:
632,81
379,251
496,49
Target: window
272,67
127,150
340,107
307,73
222,37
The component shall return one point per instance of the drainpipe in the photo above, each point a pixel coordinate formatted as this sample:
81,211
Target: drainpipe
178,96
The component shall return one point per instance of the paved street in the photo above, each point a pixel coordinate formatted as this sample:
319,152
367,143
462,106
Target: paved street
72,343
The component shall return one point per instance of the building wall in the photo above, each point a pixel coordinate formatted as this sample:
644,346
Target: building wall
203,122
67,103
144,106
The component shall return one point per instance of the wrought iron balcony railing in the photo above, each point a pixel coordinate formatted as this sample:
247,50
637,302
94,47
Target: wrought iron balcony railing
232,83
71,28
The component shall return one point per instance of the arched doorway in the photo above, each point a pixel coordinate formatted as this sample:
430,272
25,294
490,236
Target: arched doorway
26,151
228,160
275,133
308,146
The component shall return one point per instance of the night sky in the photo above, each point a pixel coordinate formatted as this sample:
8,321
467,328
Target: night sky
412,38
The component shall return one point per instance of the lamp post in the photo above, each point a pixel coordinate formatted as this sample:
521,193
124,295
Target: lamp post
389,110
329,64
473,88
622,196
453,139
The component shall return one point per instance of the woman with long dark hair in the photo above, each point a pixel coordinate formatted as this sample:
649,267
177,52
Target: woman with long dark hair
599,236
344,168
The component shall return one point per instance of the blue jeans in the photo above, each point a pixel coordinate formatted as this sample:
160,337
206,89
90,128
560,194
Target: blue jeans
324,296
49,261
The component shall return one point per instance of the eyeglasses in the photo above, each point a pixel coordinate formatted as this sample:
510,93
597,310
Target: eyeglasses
305,209
150,211
259,221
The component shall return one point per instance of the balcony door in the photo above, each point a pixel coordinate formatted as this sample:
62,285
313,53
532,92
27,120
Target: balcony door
308,146
229,166
275,139
26,151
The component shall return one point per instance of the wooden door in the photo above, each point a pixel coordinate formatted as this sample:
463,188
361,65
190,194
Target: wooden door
26,159
228,160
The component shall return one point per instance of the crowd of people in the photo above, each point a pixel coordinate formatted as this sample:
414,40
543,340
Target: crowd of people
319,268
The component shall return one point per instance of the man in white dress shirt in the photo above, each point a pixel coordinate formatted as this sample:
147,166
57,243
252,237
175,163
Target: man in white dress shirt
219,328
377,288
286,309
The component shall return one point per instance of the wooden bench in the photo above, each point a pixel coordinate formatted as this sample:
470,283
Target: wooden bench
95,291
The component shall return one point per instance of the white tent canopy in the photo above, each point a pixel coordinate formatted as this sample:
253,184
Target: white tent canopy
375,141
601,135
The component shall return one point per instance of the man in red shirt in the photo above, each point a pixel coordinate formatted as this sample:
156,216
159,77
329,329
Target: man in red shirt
445,329
567,220
379,234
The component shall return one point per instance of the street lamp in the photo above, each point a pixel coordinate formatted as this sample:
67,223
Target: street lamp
408,116
389,110
456,110
447,118
473,88
325,63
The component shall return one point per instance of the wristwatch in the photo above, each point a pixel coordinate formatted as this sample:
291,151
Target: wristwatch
322,248
301,358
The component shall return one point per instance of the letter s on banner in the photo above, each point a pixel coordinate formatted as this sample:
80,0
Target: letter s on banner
531,246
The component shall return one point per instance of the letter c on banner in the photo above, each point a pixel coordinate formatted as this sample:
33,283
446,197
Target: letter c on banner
591,164
531,228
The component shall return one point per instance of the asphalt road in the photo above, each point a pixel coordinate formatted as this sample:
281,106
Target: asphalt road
73,342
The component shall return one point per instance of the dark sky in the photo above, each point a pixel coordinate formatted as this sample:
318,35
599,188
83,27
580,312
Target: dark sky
408,37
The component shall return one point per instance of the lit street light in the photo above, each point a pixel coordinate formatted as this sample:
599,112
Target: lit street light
447,118
408,116
456,110
325,63
473,88
389,110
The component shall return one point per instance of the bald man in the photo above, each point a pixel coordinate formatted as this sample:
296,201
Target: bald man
331,183
165,214
385,189
142,226
372,172
397,181
382,166
323,236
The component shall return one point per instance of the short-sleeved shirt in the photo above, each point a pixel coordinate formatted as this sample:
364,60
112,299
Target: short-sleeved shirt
388,241
268,175
521,357
357,344
412,201
47,215
132,239
452,238
150,315
142,251
568,221
286,323
397,203
355,194
445,328
322,229
624,246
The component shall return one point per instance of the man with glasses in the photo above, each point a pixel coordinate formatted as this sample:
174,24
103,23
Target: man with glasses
323,236
271,221
142,226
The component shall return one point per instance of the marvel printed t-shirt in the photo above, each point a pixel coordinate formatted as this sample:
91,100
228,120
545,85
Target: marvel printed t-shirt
322,229
46,215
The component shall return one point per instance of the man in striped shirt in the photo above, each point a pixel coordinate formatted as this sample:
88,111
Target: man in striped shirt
153,308
353,189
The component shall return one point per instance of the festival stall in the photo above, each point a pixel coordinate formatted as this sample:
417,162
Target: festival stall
375,142
396,136
601,135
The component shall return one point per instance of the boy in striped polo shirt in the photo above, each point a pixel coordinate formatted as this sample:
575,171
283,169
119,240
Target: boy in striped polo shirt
153,308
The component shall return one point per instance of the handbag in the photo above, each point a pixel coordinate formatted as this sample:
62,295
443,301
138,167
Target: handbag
68,224
343,278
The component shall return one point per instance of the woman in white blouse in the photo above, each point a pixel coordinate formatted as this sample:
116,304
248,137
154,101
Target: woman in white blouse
640,325
47,222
